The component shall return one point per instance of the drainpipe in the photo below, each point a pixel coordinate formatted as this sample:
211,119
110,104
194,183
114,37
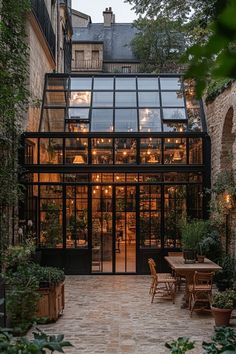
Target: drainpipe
58,37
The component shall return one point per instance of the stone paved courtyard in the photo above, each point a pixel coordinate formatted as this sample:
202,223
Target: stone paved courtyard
113,314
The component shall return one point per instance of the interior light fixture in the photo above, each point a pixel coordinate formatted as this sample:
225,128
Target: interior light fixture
78,159
177,156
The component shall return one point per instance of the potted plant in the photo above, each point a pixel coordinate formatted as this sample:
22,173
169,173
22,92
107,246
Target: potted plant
222,306
192,233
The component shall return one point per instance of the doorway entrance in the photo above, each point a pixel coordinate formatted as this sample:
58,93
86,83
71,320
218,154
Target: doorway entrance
114,229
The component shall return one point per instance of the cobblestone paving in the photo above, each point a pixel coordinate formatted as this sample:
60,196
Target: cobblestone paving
113,314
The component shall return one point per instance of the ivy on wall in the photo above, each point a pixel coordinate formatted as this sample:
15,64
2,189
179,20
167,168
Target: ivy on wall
216,87
223,194
13,103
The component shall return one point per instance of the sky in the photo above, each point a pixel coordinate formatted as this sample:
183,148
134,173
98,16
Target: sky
94,8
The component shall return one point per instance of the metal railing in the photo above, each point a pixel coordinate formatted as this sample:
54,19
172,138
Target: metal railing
40,12
87,65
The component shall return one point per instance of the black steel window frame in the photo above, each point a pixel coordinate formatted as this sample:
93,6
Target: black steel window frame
137,90
138,211
113,136
40,12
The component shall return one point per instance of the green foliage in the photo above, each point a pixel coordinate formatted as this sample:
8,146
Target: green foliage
159,44
13,100
50,275
51,228
17,255
224,277
210,32
211,245
39,345
224,183
193,232
180,345
187,11
225,299
223,342
215,58
21,298
223,194
216,87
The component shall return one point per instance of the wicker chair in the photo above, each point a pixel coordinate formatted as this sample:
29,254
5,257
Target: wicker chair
152,265
163,284
200,292
179,279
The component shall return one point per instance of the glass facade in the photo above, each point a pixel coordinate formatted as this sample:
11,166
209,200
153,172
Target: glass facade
118,161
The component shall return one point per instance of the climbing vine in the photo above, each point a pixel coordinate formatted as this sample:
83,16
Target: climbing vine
13,103
223,194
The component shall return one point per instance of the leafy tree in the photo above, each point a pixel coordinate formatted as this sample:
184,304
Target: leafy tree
158,44
216,58
13,100
210,31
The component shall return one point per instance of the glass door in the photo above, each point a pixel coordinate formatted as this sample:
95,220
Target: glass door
125,229
102,230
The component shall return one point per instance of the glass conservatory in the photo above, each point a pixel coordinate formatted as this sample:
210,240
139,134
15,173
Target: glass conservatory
117,162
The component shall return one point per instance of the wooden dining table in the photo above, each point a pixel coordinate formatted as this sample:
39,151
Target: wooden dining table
187,270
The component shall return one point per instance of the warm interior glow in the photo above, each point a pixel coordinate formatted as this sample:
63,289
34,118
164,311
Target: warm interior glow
177,156
78,159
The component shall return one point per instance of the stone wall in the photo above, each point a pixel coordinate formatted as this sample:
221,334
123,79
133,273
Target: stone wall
79,19
87,64
40,63
221,123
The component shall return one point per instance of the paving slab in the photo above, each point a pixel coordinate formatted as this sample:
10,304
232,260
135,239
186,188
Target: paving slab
114,314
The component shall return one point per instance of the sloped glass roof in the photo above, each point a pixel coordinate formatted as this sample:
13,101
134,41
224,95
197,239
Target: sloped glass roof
116,103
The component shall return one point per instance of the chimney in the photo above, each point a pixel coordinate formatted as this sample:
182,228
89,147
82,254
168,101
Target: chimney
108,16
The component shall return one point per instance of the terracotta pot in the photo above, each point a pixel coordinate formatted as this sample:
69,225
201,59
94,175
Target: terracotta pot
200,259
222,316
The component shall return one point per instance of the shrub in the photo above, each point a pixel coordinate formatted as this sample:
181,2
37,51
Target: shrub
49,275
225,299
223,341
22,292
224,277
40,344
193,232
180,346
21,298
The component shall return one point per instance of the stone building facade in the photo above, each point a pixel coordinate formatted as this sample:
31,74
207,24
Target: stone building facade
49,32
102,47
221,121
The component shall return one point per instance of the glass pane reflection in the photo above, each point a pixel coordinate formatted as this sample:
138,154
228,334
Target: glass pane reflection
174,113
80,98
102,120
172,99
102,99
149,120
126,120
148,99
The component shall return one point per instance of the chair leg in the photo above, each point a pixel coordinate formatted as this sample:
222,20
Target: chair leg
153,295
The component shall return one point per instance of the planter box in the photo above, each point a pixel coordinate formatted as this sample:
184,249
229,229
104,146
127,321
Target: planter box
51,303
